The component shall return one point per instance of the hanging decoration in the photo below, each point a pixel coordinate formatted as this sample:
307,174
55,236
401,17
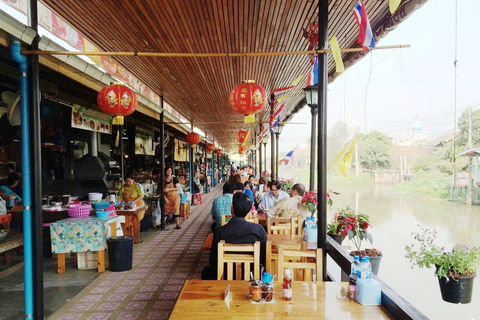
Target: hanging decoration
248,98
219,152
312,36
119,101
242,148
243,136
210,147
193,138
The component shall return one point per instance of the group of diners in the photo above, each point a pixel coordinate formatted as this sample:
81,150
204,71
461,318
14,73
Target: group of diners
237,202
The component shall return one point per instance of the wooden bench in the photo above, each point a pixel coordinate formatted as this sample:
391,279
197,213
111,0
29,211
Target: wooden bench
10,243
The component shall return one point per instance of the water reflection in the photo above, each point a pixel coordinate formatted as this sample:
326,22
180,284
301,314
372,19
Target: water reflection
394,218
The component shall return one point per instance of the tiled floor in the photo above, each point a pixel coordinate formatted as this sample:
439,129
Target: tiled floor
160,266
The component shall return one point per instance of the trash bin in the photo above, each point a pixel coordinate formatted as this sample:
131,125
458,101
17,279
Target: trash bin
120,253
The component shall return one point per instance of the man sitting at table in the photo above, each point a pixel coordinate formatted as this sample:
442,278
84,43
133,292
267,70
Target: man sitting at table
273,196
292,206
222,205
237,231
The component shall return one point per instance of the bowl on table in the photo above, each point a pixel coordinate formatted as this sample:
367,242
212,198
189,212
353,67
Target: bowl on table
4,234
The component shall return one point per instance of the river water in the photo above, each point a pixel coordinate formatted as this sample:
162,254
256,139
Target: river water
394,217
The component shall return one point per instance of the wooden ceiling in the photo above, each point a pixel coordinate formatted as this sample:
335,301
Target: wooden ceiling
199,87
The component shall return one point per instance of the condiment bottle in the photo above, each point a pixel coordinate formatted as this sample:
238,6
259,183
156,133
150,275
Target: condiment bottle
255,291
287,286
268,287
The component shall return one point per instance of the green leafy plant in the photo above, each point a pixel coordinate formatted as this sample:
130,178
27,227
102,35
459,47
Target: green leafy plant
309,200
287,184
461,261
351,223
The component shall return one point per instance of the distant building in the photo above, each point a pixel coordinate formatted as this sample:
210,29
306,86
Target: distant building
443,139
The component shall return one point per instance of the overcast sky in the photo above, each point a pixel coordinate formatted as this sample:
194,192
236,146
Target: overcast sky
416,81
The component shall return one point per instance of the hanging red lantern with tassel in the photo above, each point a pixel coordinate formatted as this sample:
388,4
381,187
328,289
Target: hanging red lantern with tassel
210,147
193,138
248,98
219,152
117,100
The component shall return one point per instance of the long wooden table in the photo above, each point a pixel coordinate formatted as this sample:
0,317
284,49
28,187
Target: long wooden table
204,299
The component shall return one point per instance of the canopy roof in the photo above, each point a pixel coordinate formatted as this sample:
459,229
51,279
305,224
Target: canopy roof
199,87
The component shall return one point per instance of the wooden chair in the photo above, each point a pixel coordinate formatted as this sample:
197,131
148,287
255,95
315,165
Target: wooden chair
253,220
297,226
225,218
302,263
279,225
241,256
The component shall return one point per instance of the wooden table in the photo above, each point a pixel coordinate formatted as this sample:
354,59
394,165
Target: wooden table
81,235
207,244
203,299
131,227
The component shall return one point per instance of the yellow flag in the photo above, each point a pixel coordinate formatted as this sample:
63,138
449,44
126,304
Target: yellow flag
393,5
336,54
344,157
247,139
282,98
297,80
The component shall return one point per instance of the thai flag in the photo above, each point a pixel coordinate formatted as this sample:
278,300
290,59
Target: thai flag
365,37
287,158
313,74
273,124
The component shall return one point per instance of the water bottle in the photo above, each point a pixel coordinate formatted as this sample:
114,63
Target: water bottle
354,274
365,268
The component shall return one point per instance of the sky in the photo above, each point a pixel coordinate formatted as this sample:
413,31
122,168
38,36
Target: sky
387,89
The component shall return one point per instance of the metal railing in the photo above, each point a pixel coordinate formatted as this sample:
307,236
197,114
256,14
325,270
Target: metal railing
394,303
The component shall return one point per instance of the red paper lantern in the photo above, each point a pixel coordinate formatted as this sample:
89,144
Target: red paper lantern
248,98
219,152
242,136
193,138
242,149
117,100
210,147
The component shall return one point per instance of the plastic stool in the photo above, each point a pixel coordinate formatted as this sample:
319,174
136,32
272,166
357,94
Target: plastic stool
197,197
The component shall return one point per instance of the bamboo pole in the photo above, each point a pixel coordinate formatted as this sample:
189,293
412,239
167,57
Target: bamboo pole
201,55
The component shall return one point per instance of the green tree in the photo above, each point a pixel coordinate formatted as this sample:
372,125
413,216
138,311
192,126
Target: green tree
375,150
463,124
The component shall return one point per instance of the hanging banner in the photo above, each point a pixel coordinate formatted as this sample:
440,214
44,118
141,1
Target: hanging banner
144,143
92,120
181,151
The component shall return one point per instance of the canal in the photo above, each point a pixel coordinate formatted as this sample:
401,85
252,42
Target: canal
394,217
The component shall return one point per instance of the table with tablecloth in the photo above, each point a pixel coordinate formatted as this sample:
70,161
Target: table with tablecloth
81,235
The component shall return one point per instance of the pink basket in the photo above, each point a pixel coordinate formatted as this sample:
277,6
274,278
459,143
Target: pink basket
79,210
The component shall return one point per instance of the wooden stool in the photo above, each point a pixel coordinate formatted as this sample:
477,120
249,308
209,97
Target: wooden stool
197,197
185,210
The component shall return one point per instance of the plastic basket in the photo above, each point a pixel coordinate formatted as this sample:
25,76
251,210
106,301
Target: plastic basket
103,214
79,210
101,205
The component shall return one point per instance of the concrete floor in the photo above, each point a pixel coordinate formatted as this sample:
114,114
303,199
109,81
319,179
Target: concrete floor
58,288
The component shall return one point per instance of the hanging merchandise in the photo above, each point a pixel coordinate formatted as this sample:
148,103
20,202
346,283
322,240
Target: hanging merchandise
248,98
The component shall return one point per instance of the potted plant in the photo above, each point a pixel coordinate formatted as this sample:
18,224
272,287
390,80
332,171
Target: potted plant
355,225
455,269
309,200
335,229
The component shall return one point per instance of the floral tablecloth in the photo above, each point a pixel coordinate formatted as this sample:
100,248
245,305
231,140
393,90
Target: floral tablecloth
80,234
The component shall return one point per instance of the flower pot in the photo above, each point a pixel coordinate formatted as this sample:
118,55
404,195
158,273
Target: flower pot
458,290
337,237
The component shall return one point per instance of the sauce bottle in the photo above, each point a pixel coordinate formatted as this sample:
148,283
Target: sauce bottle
287,286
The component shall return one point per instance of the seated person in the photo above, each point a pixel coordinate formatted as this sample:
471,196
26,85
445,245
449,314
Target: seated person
292,206
132,191
273,196
222,205
238,231
6,191
248,190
